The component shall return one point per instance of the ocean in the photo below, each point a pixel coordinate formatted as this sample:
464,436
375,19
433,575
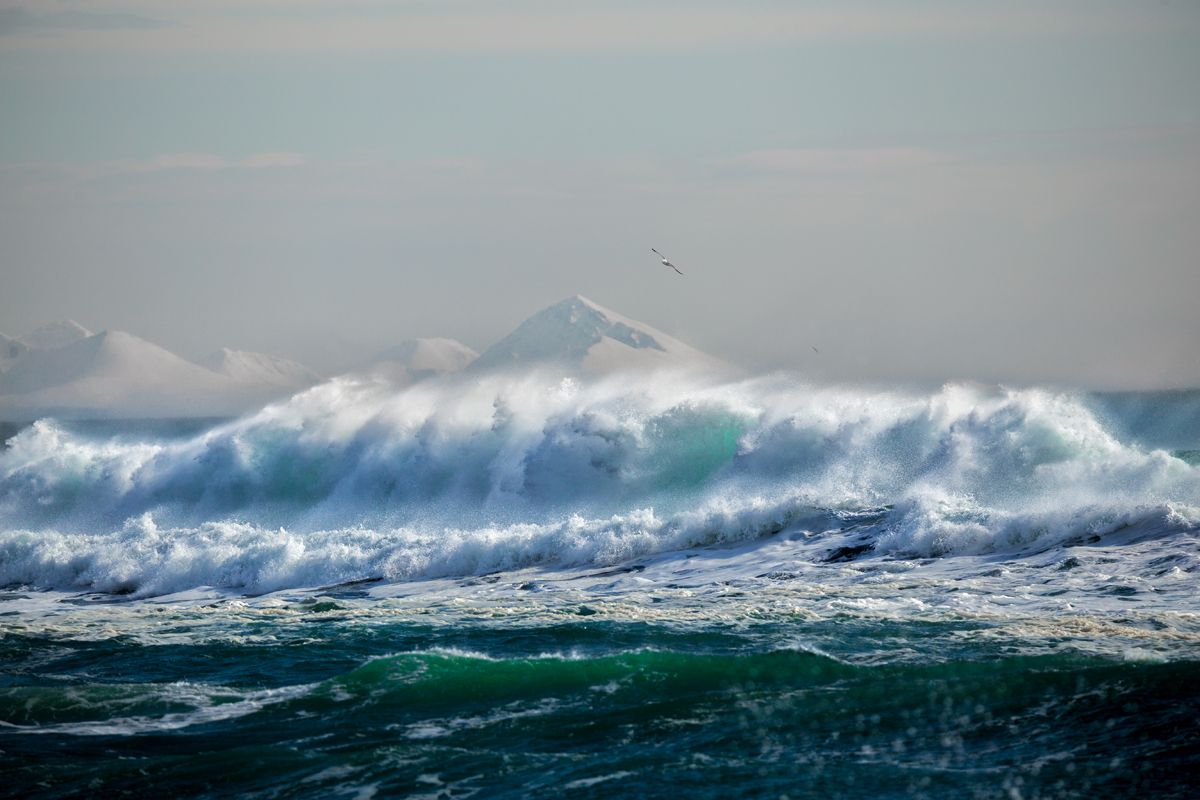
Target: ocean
531,586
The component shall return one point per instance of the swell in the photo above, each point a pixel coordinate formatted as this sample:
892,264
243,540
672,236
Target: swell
642,723
436,682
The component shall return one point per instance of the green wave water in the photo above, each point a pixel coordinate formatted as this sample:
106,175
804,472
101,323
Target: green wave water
588,709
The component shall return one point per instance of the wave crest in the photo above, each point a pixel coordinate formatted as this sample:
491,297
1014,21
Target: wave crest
350,480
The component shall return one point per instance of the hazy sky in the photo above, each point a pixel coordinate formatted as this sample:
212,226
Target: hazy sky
992,190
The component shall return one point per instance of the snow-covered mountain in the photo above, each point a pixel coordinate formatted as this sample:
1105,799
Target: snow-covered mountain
117,374
47,337
416,359
55,334
260,368
62,370
583,336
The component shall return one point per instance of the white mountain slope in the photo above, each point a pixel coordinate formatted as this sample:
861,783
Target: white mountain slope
581,335
116,374
10,350
260,368
55,334
416,359
47,337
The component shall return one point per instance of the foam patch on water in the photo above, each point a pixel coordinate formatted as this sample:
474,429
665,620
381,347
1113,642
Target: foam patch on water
208,705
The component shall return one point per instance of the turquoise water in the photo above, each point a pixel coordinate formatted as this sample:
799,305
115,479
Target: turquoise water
531,589
329,706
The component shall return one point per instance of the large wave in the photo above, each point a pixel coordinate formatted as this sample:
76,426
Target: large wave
354,479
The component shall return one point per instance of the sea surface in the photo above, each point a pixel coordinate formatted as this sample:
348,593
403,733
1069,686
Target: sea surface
530,586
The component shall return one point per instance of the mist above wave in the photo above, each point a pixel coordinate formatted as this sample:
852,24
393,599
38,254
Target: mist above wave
463,475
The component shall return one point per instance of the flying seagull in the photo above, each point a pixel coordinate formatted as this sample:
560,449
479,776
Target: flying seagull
664,260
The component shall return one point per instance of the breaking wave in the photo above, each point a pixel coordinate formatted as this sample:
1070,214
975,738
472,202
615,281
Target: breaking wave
453,477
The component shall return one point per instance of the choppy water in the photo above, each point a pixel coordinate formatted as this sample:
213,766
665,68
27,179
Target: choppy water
521,587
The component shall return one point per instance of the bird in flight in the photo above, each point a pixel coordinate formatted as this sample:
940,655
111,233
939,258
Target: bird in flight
664,260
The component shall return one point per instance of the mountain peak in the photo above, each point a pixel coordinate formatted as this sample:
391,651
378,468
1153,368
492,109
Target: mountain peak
579,301
581,334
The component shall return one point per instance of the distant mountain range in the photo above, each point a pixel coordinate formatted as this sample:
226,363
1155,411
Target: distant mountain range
63,369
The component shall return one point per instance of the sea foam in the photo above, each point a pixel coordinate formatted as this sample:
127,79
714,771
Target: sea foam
355,479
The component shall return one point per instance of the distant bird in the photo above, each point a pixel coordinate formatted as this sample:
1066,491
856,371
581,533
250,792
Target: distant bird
664,260
815,350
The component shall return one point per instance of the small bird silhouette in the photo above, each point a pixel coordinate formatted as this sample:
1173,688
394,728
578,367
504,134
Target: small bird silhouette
665,262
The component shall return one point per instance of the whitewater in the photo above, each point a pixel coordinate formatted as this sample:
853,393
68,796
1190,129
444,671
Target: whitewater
514,583
354,480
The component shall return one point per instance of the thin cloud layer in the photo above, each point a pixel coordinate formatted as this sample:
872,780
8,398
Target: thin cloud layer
844,160
480,27
207,162
19,20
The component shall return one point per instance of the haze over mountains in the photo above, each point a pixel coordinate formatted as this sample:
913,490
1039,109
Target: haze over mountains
244,365
417,359
117,374
65,370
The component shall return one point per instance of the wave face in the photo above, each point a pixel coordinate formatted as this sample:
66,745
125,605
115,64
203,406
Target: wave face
453,477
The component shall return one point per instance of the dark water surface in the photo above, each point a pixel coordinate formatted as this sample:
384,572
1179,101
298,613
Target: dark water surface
330,706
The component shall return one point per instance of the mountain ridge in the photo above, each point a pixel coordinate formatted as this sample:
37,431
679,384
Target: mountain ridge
117,374
249,366
54,334
580,334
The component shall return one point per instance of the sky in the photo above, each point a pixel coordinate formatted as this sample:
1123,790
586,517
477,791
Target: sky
920,190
